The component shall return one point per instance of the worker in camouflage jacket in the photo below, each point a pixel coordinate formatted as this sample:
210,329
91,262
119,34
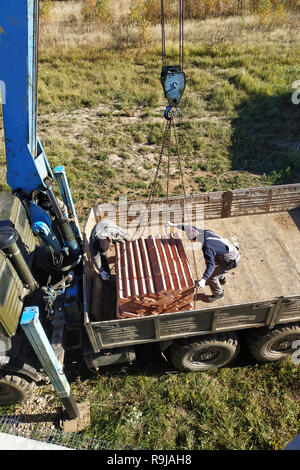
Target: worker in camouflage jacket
103,234
220,257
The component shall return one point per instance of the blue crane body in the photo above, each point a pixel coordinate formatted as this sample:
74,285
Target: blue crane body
30,177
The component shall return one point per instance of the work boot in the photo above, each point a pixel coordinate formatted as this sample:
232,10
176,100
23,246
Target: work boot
213,298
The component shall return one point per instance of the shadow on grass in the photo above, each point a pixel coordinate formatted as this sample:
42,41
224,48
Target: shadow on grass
149,362
266,138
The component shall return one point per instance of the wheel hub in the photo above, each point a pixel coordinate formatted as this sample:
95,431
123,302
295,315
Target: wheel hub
284,345
204,356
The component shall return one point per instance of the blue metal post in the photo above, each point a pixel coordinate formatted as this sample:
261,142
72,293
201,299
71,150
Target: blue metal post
27,165
36,335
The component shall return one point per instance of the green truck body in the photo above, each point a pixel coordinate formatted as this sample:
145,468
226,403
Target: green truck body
12,290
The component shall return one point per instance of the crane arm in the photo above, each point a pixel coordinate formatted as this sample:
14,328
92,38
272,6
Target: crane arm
27,165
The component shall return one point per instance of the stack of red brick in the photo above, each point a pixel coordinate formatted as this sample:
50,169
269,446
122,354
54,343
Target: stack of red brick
153,276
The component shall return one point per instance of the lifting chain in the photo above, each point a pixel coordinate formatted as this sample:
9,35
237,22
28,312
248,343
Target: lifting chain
166,148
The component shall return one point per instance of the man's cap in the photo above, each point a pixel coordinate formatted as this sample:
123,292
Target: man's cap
191,232
104,234
108,229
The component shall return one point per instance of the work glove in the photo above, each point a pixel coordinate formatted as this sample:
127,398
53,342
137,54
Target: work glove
201,284
170,224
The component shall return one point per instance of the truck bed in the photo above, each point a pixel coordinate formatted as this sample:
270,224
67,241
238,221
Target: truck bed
268,235
270,251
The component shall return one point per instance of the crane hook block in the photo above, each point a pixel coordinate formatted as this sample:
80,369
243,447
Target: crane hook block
173,81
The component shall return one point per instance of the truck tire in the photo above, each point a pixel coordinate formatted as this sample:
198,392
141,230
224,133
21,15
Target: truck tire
15,389
273,345
205,352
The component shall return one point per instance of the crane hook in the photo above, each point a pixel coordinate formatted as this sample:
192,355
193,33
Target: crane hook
168,115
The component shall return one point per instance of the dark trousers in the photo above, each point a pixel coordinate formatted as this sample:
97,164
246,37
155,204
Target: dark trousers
221,268
104,262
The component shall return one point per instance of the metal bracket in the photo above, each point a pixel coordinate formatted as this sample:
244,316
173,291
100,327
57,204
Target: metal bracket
275,312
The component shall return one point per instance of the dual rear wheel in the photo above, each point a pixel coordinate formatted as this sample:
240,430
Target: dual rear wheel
204,353
276,344
212,351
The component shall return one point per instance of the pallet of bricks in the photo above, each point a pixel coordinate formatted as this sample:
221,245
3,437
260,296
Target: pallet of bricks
153,276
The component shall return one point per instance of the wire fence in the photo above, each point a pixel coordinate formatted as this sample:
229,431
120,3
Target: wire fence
43,432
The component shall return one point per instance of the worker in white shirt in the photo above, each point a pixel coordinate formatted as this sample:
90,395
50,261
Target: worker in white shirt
103,234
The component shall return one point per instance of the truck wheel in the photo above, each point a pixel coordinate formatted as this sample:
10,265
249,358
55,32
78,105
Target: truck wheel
273,345
204,353
14,389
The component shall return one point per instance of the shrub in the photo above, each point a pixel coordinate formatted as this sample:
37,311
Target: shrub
149,11
271,12
97,11
45,9
200,9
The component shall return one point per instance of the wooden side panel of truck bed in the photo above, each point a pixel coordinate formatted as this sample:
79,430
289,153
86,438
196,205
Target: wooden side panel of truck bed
116,333
264,290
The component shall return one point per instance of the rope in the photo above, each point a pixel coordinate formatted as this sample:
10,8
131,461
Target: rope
168,144
181,35
163,35
165,143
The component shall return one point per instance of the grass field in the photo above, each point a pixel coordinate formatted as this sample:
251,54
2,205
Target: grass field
100,115
104,106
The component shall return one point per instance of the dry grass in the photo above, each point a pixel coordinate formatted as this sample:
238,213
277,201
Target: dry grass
121,8
66,27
